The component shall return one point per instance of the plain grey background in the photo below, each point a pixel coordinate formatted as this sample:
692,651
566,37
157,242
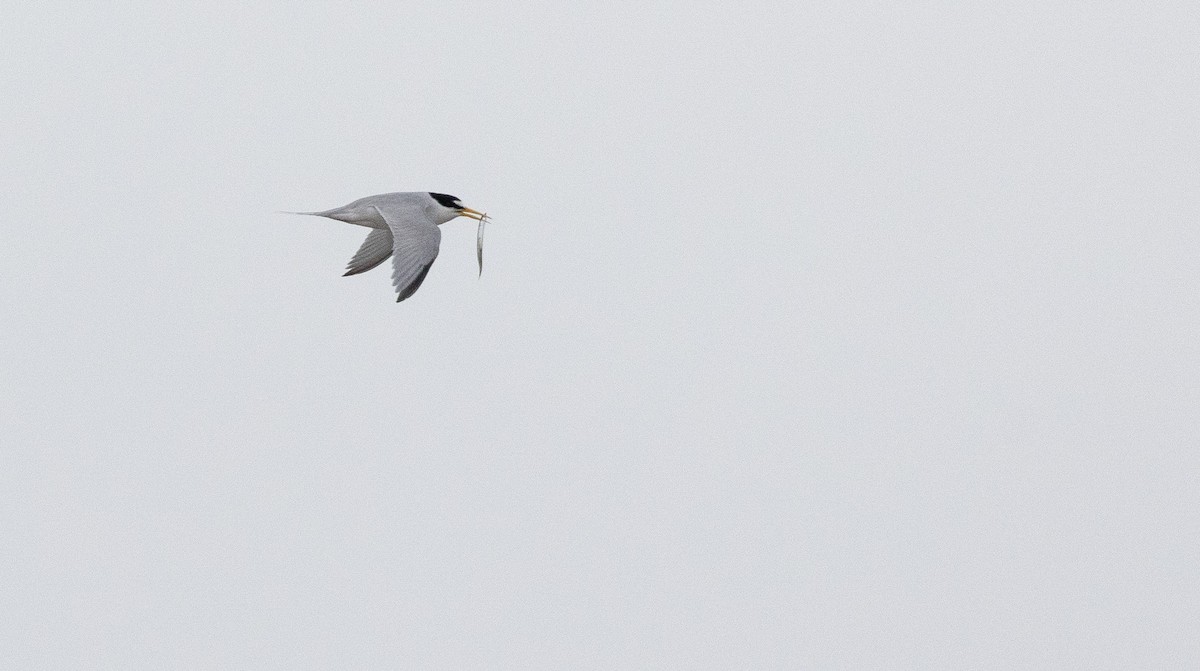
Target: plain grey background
810,335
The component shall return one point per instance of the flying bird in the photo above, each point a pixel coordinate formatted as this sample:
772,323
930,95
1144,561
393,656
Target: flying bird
405,227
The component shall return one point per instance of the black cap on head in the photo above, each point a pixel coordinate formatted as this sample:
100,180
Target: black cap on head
446,201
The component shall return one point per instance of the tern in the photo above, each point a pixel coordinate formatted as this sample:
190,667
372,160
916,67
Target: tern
405,227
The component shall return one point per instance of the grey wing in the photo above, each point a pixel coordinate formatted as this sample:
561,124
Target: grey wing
415,243
374,251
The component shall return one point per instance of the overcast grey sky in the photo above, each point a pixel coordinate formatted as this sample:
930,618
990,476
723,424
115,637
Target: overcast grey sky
825,335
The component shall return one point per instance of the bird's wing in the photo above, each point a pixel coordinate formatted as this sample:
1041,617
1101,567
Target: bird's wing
414,247
374,251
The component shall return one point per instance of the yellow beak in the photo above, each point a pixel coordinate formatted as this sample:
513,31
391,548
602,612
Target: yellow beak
474,214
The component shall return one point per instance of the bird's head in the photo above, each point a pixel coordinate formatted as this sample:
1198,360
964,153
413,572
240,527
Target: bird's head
448,207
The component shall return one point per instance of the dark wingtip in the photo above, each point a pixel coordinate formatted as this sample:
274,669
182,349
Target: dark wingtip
415,284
